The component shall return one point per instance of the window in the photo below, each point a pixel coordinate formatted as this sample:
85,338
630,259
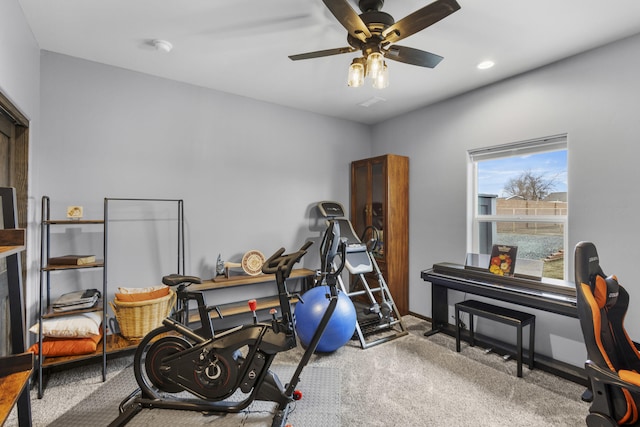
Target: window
518,196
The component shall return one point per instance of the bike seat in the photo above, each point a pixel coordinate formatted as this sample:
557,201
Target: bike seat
178,279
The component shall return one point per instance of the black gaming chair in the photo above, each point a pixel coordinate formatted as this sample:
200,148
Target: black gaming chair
613,363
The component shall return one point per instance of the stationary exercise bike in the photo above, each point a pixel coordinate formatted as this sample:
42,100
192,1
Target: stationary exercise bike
175,358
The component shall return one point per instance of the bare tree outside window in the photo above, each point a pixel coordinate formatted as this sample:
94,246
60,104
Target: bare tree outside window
512,204
530,186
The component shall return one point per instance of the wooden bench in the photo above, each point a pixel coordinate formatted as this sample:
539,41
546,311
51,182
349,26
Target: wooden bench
502,315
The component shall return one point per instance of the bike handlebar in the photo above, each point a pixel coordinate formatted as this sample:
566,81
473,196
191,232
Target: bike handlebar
332,245
278,261
343,257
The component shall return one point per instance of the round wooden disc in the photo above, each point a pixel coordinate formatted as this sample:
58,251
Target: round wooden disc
252,262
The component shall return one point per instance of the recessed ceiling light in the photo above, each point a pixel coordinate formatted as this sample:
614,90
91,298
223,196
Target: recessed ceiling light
162,45
485,65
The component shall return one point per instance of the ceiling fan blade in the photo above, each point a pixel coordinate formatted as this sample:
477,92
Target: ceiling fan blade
412,56
321,53
419,20
348,18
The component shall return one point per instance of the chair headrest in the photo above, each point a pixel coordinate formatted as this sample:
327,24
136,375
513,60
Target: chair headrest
587,264
606,291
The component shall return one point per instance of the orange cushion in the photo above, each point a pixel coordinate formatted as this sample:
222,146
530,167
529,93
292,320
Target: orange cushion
600,291
630,376
53,347
143,296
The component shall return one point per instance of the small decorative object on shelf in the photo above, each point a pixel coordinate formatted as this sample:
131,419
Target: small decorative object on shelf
503,260
219,266
77,300
72,260
251,264
74,212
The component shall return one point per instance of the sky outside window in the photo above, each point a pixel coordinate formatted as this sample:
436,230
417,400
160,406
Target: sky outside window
494,174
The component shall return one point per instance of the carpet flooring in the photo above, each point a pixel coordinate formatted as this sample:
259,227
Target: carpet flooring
411,381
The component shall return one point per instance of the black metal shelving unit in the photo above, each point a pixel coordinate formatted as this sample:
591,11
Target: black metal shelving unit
44,301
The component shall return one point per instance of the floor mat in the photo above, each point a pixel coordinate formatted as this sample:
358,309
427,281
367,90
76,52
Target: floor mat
319,407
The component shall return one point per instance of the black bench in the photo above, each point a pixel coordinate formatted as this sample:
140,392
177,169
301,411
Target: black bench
502,315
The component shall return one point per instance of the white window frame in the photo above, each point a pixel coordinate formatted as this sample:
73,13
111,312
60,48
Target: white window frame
474,219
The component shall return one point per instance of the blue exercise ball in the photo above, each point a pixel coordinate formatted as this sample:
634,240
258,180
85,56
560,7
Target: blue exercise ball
340,328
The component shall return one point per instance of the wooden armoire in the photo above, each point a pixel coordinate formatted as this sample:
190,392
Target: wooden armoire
380,197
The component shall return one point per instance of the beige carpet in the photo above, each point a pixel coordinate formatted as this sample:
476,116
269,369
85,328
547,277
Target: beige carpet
410,381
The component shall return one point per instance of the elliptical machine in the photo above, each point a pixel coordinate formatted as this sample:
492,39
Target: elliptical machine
175,358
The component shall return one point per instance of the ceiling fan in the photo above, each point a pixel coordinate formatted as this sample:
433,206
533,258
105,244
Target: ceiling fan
374,33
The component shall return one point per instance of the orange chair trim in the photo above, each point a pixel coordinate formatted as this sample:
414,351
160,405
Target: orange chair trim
595,315
632,412
631,415
600,291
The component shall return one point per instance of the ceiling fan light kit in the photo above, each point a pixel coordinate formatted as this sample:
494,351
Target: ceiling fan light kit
356,73
373,66
381,80
374,32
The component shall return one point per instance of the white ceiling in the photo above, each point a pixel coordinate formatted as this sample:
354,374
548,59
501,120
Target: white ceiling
242,46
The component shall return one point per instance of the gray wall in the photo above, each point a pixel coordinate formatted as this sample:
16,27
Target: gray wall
249,172
19,60
592,97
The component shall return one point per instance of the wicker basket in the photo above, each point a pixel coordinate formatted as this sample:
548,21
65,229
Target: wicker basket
136,319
